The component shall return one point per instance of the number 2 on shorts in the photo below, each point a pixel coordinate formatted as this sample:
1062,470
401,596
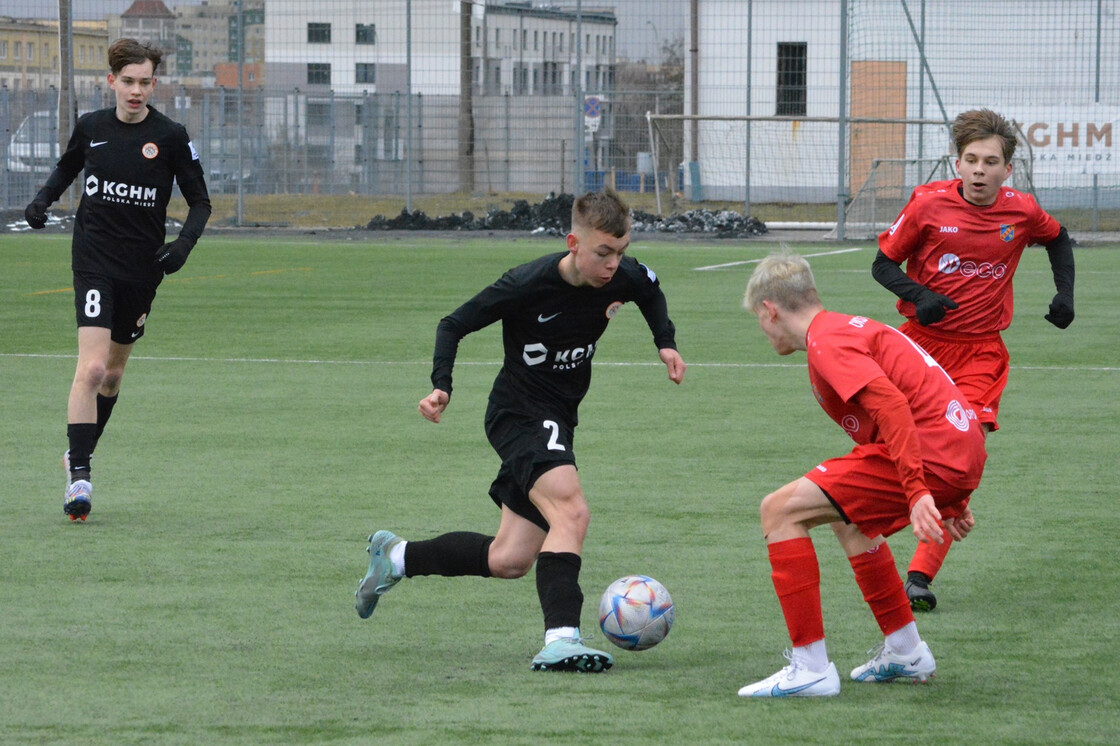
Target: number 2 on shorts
554,439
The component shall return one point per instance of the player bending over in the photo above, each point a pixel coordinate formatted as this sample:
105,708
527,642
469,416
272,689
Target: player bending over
919,454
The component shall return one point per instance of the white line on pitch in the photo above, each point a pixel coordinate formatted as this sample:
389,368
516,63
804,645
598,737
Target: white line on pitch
755,261
426,363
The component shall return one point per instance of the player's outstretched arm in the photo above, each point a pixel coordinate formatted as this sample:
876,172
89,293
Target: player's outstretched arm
432,405
674,363
929,306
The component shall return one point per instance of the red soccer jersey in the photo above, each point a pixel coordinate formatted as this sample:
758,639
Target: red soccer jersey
965,252
848,352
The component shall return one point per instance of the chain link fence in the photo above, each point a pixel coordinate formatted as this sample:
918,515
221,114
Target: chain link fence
841,104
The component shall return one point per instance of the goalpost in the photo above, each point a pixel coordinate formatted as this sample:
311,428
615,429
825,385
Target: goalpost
796,161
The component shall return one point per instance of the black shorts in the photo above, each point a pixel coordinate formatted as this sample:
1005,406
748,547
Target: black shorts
529,445
122,306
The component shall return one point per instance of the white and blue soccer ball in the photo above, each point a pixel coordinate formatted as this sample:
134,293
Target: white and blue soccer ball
636,612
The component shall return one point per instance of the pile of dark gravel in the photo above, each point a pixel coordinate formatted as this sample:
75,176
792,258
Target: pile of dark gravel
553,217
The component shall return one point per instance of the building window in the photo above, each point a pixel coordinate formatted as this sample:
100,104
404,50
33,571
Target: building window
792,79
536,41
318,33
365,72
365,33
318,73
3,49
497,38
17,50
318,113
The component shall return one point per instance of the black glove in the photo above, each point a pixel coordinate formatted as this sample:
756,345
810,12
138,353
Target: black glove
1061,310
930,307
172,256
36,214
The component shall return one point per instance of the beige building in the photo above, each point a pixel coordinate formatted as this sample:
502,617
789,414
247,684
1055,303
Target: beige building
29,55
206,37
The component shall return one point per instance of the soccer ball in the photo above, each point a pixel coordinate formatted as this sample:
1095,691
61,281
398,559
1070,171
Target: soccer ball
635,612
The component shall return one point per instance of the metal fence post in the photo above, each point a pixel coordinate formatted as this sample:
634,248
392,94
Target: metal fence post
842,125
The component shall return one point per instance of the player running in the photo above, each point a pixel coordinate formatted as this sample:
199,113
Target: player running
919,454
962,241
132,155
553,311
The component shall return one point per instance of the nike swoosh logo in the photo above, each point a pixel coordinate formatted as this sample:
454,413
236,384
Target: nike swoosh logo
93,144
542,318
135,335
778,691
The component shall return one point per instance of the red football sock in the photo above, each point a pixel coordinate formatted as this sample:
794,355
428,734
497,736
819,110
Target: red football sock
882,588
797,581
928,557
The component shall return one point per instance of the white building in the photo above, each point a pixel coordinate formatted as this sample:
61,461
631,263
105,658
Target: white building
1045,64
354,46
336,74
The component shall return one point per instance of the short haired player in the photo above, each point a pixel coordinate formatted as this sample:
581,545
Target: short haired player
132,156
961,241
553,311
919,454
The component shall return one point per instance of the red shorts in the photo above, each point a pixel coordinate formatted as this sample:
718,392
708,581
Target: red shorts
977,363
865,488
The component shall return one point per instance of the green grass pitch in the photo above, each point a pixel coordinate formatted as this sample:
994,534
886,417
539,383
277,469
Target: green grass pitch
268,423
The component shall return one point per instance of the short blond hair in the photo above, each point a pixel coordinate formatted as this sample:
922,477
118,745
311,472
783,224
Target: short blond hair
783,278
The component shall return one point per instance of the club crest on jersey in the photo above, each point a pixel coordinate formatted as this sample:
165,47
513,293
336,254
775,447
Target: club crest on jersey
150,150
1007,233
612,309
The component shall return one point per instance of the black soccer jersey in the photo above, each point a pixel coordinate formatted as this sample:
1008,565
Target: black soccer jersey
129,173
550,330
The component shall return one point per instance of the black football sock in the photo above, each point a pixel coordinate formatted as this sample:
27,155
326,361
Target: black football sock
558,588
450,555
105,406
81,437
